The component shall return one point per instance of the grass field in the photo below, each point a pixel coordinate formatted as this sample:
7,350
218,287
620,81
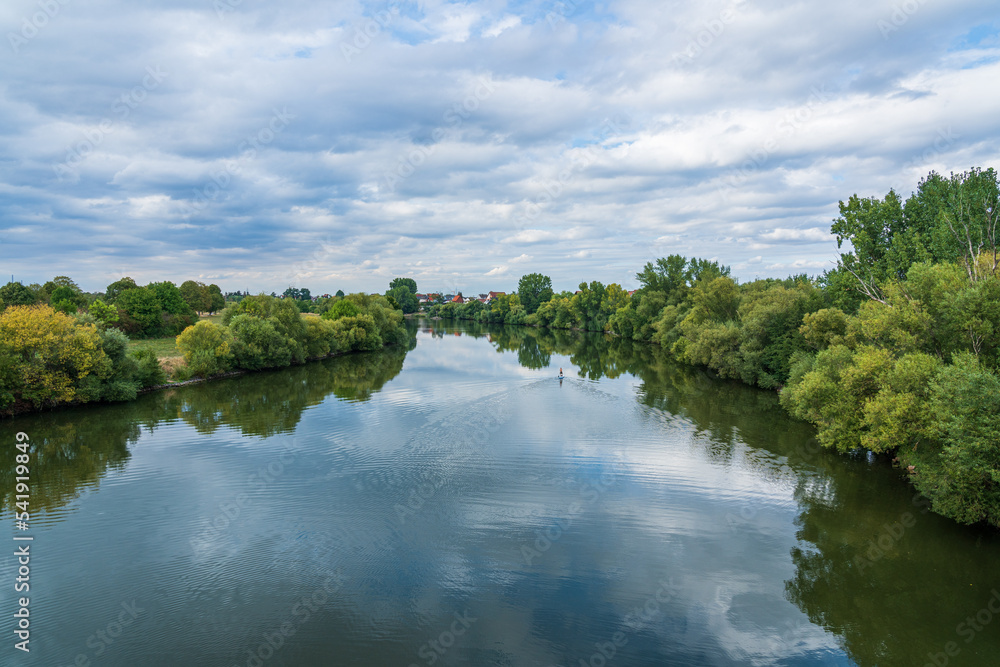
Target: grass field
166,348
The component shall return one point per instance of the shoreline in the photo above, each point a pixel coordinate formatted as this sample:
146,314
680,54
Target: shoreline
30,410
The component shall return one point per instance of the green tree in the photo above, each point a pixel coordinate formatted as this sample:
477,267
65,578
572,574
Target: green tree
45,355
63,299
196,295
341,308
169,297
114,290
406,299
824,328
16,294
141,311
207,348
105,314
74,293
283,315
962,475
216,301
257,343
408,283
534,289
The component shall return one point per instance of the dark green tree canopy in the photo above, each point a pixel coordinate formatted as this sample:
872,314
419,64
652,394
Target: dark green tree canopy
16,294
169,297
408,283
114,290
404,298
196,295
674,275
534,289
945,220
142,307
216,301
297,293
71,291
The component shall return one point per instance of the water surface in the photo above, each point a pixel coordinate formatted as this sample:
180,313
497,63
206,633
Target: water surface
455,503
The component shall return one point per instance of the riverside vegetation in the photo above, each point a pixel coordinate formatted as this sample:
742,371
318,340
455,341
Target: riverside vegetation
49,357
895,352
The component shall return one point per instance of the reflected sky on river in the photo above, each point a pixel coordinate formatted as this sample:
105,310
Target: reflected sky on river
455,503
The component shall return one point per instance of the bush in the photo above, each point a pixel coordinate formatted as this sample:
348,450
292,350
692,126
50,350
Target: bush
284,317
45,355
149,373
357,333
206,348
257,343
320,338
341,308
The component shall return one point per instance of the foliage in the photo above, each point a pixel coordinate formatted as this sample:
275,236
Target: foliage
139,311
207,348
257,342
169,297
297,293
216,301
947,220
114,290
534,289
320,340
103,313
284,318
341,308
409,283
196,296
45,356
961,473
403,297
16,294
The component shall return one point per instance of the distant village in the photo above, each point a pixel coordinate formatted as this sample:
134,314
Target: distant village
429,299
456,298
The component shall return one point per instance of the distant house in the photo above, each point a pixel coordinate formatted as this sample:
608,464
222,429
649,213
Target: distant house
493,295
421,298
458,299
633,292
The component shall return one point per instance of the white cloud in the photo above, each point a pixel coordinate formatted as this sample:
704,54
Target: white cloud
590,141
503,24
813,234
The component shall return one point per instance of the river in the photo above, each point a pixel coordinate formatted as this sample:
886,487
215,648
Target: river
454,503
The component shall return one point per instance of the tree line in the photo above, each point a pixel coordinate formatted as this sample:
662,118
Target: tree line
150,311
53,353
895,351
263,331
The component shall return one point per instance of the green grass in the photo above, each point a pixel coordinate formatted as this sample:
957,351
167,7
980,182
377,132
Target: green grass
167,347
164,347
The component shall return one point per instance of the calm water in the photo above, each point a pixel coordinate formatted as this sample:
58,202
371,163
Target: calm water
456,504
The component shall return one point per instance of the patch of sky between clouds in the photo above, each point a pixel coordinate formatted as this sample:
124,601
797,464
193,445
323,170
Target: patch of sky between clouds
542,11
984,38
984,35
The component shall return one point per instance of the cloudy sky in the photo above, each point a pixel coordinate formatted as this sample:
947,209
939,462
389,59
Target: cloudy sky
335,145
